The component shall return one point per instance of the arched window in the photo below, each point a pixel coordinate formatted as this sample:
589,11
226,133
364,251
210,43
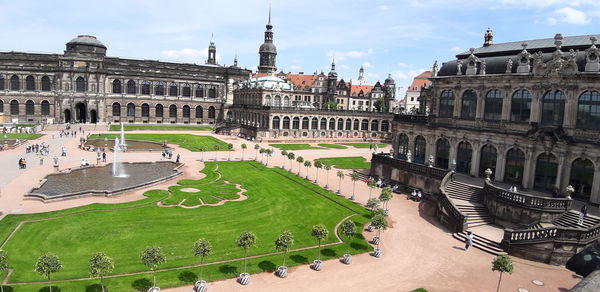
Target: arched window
2,82
340,124
286,101
80,84
374,125
286,123
488,158
200,90
332,124
212,92
186,111
172,111
468,107
515,165
275,123
46,85
159,111
159,88
145,110
14,107
385,126
145,90
45,108
442,153
493,105
131,110
314,123
446,104
296,123
356,125
268,100
277,101
1,106
582,178
131,87
348,124
29,83
420,147
546,168
588,110
553,108
464,153
364,125
304,123
187,90
323,125
172,89
199,112
116,109
14,83
520,106
402,146
116,86
211,112
29,108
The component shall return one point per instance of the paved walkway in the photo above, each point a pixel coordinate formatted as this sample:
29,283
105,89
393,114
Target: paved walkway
417,251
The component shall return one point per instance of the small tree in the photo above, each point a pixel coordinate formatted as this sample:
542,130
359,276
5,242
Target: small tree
100,266
202,149
385,196
291,156
48,264
246,240
340,175
229,147
327,168
502,263
371,184
3,265
244,146
284,153
268,152
318,165
216,148
354,176
152,257
348,229
261,151
371,204
307,164
283,243
300,159
319,232
256,147
202,248
380,223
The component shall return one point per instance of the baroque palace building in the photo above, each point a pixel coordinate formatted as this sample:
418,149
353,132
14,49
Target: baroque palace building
83,85
274,105
527,110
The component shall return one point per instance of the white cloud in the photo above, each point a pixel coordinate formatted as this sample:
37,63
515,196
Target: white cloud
402,65
188,55
367,65
383,7
551,20
572,16
456,49
349,54
372,75
345,67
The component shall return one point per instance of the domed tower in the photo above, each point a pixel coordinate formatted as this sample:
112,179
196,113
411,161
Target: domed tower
361,76
85,46
390,91
331,83
267,51
212,53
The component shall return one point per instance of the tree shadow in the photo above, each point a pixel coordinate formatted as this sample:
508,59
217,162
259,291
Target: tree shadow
359,246
328,252
228,269
47,289
267,266
299,259
93,288
187,276
9,289
141,284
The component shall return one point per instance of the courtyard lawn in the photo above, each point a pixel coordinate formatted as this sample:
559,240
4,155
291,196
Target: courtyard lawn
334,146
13,136
365,145
159,128
187,141
122,231
356,162
294,146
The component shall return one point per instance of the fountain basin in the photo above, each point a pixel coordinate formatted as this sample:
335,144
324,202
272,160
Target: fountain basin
132,145
99,181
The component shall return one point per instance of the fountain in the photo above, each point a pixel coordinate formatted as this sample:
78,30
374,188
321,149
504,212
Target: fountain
123,145
117,167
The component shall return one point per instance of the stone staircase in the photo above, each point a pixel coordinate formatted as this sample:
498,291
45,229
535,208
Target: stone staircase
481,243
569,219
469,200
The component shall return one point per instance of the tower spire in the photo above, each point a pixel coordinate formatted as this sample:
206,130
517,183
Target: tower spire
269,13
268,51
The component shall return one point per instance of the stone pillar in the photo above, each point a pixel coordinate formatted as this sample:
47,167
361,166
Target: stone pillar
457,103
536,107
480,106
475,158
506,105
529,169
559,172
595,195
453,153
570,118
500,164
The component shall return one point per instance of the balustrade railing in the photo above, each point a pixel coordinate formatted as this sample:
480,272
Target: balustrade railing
526,201
432,172
557,233
415,119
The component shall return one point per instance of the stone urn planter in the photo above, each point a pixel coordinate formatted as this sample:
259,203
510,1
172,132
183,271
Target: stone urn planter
375,240
282,271
154,289
347,259
244,278
200,286
317,265
370,228
377,252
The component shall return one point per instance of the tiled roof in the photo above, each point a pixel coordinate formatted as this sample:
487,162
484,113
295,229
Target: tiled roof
533,45
355,89
420,81
302,80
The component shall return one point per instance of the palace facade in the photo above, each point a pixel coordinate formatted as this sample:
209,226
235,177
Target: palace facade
83,85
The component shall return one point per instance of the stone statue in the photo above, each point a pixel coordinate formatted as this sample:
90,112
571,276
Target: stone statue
431,160
458,67
434,71
408,156
509,65
483,65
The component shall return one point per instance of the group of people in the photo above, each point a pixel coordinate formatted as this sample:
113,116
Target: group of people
42,148
22,163
416,196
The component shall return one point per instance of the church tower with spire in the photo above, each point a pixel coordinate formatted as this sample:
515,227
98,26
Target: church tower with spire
212,52
268,51
361,76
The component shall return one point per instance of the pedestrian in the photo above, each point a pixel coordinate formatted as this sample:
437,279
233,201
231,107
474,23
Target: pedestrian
103,156
582,214
468,240
370,147
41,159
177,160
452,175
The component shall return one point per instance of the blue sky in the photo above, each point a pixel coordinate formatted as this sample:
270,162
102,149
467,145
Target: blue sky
385,36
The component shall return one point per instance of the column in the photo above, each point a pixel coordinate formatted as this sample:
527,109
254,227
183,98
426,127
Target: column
430,149
506,104
529,169
500,164
559,172
480,106
595,196
536,106
570,118
475,158
453,152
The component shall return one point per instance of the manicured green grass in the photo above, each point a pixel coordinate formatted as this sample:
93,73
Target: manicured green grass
12,136
346,162
334,146
211,190
294,146
365,145
187,141
419,290
159,128
123,230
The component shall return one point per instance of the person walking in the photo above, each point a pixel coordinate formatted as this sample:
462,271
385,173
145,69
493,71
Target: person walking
582,214
468,240
177,160
103,156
